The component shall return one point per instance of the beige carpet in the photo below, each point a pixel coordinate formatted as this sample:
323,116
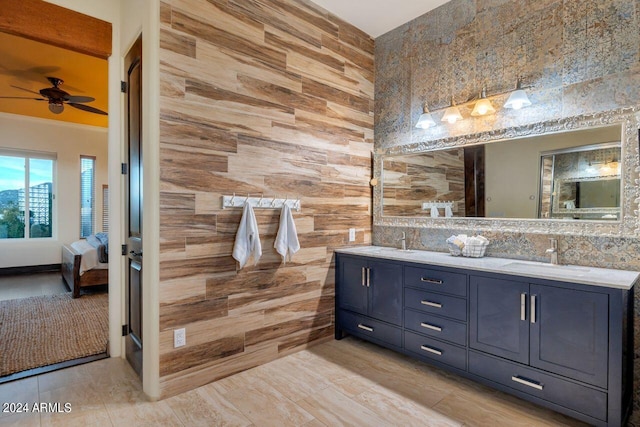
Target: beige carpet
43,330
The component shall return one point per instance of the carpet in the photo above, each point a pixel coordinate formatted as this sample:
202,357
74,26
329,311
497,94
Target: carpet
43,330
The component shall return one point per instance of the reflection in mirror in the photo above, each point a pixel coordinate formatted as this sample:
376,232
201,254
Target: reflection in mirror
581,183
508,178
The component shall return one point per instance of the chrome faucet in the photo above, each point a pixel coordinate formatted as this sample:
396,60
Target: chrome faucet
553,250
404,241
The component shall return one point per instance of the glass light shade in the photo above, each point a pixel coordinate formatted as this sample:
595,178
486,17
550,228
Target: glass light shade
483,107
425,121
56,108
517,100
452,115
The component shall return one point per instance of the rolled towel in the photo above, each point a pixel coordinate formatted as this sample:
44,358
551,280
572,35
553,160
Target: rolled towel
247,242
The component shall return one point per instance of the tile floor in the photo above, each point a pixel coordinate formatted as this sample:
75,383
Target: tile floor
29,285
348,382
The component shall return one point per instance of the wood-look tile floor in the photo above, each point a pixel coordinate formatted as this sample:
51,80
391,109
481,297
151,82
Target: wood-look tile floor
336,383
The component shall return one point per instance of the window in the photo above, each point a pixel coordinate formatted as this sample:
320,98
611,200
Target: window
26,195
105,208
87,195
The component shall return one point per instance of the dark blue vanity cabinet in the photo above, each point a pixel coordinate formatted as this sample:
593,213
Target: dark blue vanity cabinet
562,345
369,299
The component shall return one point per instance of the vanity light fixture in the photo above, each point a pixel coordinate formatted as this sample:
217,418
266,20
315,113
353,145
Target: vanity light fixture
483,105
452,114
518,98
425,121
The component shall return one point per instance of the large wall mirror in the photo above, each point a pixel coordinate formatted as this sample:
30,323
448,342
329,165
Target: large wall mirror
572,176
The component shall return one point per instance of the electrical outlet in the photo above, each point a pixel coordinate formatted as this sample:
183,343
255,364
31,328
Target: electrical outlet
179,338
352,234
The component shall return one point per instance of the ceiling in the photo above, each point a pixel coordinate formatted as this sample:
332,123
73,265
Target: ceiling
27,64
376,17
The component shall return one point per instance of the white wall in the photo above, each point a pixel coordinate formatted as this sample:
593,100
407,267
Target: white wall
68,141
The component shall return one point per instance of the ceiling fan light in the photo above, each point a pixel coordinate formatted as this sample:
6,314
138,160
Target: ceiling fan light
56,108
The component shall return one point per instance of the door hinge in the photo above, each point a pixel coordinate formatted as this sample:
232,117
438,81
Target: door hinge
124,249
124,168
125,330
123,87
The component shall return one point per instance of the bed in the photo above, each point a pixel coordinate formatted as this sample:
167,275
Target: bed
83,263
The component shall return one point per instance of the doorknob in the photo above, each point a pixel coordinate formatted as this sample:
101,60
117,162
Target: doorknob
134,253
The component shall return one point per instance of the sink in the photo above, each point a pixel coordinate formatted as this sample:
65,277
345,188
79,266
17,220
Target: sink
547,268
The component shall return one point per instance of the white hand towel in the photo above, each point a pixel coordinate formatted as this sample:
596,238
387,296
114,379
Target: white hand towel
286,243
447,211
247,239
434,212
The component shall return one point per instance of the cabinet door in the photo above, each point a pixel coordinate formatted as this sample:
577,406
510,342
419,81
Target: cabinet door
352,289
498,324
385,292
569,334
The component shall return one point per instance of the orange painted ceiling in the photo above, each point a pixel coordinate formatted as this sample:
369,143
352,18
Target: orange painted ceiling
27,64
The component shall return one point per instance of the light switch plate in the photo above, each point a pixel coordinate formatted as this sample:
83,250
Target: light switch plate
352,234
179,338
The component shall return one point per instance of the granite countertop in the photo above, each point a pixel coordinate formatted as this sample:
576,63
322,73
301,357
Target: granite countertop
610,278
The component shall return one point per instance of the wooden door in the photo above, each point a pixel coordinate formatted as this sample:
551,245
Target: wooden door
570,333
133,292
498,318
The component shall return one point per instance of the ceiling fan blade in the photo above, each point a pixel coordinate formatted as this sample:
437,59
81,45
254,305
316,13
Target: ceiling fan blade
26,90
79,99
87,108
22,97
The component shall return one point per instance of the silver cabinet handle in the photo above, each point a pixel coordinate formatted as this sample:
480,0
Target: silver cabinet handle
366,328
528,383
363,282
523,306
434,281
533,309
431,350
432,327
431,304
368,277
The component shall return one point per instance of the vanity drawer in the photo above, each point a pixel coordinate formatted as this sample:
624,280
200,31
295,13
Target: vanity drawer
436,350
531,381
436,280
442,305
437,327
366,327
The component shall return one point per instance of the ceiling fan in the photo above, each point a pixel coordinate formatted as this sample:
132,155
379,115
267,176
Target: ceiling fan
57,98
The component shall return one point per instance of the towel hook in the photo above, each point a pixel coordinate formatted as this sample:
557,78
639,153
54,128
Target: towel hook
260,201
297,204
273,201
233,200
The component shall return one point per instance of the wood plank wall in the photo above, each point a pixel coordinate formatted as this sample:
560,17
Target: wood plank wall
270,97
410,180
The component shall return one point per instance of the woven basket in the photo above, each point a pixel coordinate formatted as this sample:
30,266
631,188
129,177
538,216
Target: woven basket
471,251
475,250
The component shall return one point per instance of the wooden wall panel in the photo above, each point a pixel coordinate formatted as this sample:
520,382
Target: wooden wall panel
270,97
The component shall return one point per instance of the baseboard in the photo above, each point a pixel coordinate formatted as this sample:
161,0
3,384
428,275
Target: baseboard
29,269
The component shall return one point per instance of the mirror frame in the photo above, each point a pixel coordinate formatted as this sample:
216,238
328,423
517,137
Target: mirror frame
627,226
